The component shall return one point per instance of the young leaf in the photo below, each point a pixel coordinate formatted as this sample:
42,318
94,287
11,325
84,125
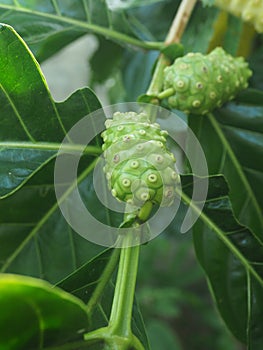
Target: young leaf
34,315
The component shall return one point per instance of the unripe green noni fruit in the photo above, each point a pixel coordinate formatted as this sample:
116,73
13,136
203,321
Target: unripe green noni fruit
139,168
249,10
203,82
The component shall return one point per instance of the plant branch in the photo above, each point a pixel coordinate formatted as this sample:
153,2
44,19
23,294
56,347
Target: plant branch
51,146
180,21
174,36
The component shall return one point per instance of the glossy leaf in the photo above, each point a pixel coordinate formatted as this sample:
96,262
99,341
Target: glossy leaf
32,231
232,140
32,124
47,26
34,315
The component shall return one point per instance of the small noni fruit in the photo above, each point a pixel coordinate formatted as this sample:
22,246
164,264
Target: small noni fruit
203,82
139,168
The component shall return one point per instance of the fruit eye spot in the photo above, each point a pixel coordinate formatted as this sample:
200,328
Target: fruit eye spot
126,182
144,196
199,85
142,132
168,193
219,79
140,147
196,103
120,127
212,95
180,83
152,178
116,158
134,164
127,138
159,159
174,175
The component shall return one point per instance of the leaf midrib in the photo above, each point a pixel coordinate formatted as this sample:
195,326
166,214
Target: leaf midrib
17,114
224,238
44,219
237,165
51,146
106,32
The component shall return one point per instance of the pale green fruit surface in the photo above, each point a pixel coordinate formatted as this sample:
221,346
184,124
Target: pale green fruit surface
202,83
139,167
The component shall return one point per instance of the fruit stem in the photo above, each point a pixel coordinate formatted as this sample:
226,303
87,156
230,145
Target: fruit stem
166,93
121,313
174,36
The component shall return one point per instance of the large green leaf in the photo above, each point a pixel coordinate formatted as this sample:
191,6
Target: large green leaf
32,231
232,140
32,124
233,262
35,316
47,26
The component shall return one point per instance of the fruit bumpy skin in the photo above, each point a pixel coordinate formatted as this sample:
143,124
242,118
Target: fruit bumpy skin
139,168
202,83
249,10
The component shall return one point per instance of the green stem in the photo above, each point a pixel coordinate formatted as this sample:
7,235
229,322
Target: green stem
166,93
106,32
157,79
121,313
51,146
104,279
174,35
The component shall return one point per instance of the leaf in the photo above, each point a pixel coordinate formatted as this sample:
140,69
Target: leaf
141,63
49,26
232,140
199,27
105,60
34,315
32,124
233,262
32,231
84,283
